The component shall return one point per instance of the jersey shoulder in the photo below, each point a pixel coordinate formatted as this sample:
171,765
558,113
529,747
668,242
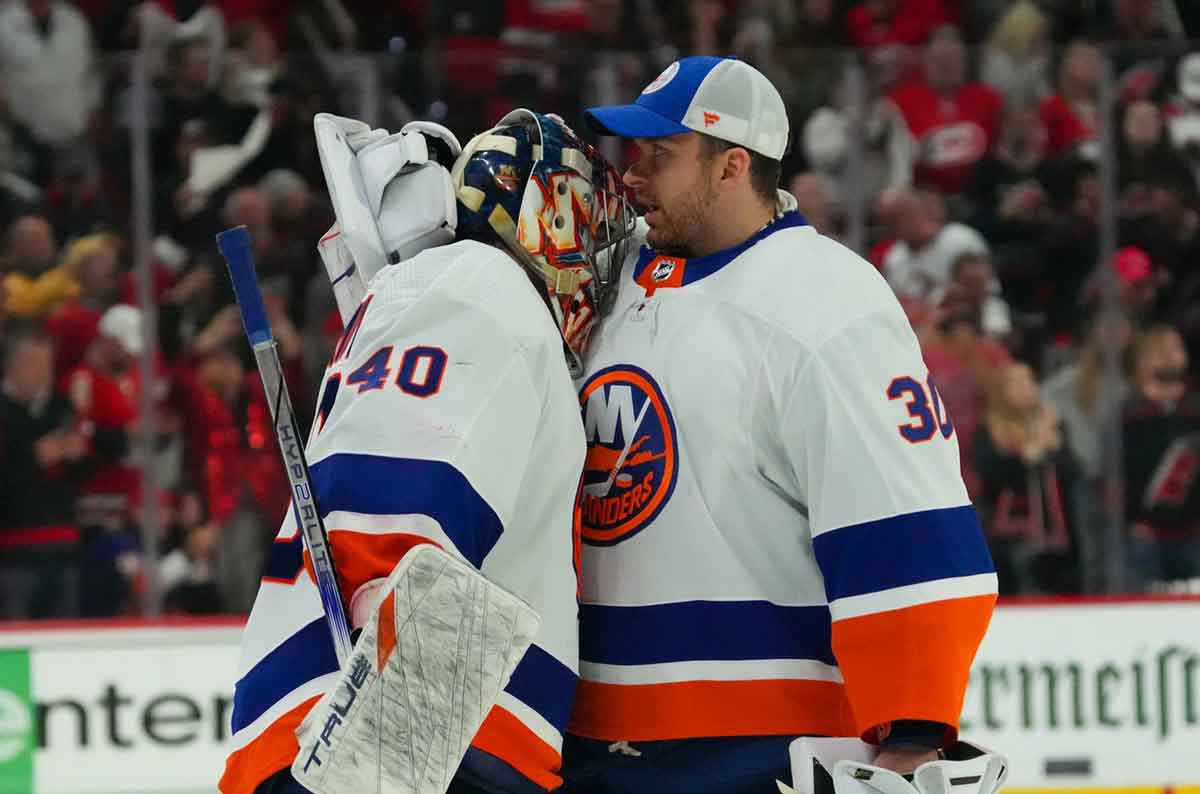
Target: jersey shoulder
811,286
477,287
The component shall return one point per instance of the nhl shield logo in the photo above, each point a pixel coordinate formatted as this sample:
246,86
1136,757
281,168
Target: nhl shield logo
663,270
632,461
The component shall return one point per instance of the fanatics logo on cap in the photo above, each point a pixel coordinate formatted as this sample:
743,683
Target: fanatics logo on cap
711,118
667,76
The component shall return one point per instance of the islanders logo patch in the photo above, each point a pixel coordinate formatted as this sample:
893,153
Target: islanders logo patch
632,461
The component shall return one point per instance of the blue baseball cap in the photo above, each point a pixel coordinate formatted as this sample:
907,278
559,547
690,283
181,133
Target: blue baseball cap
722,97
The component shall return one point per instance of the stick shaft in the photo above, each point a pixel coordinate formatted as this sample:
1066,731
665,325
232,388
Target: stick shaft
235,247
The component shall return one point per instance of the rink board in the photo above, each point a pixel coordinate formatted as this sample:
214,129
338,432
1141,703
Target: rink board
1097,696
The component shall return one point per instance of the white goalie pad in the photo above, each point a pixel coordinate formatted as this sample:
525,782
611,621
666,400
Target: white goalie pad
424,673
392,196
844,766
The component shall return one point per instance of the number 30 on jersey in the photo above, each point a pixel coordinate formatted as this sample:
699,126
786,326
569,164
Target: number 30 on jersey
924,404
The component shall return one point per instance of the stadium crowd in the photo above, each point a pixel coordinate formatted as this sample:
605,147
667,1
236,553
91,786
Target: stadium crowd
968,131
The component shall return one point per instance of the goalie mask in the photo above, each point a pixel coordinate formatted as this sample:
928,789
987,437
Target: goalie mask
558,206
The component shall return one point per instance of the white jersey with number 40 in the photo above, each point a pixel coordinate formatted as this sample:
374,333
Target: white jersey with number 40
446,416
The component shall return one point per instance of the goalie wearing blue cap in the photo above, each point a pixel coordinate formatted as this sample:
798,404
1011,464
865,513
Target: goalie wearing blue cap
777,539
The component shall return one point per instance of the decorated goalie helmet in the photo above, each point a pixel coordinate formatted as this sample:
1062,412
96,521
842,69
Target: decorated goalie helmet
558,206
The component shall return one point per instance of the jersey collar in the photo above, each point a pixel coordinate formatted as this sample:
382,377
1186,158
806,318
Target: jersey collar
654,270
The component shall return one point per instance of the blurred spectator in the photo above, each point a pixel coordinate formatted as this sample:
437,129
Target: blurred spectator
705,27
813,201
43,457
1161,451
1016,56
159,25
32,284
1183,114
1137,285
926,245
953,120
297,219
976,283
93,262
885,149
187,95
1009,203
1160,216
231,448
808,63
874,23
22,164
104,390
1070,249
1026,474
1070,115
187,573
253,63
1144,154
47,61
75,201
961,359
1089,403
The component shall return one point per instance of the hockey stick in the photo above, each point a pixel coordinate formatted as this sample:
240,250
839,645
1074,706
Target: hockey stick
235,247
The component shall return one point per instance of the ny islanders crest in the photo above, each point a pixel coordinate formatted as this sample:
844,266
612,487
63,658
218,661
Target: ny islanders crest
632,460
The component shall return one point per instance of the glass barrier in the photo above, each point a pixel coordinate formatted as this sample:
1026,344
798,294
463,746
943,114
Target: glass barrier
1034,207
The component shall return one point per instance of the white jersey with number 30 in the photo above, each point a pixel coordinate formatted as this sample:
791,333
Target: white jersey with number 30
777,536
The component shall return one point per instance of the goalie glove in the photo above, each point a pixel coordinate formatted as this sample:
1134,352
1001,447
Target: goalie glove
391,193
843,766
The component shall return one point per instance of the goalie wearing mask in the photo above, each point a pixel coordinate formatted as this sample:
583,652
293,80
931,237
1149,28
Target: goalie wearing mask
447,432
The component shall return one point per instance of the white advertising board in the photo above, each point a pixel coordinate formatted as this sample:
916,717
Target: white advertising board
1079,696
1100,694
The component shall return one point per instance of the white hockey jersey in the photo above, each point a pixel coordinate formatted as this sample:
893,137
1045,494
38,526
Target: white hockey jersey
448,416
777,539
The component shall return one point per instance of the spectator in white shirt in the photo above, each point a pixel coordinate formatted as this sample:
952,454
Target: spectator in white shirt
47,61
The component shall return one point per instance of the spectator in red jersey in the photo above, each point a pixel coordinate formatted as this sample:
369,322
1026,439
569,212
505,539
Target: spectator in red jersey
105,390
879,22
232,456
1070,115
954,121
1161,462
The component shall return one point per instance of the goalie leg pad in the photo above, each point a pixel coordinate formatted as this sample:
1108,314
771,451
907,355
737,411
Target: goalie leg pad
424,673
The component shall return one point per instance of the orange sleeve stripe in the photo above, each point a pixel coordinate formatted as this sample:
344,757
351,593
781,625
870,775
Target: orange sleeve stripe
274,749
652,712
507,738
911,663
363,556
